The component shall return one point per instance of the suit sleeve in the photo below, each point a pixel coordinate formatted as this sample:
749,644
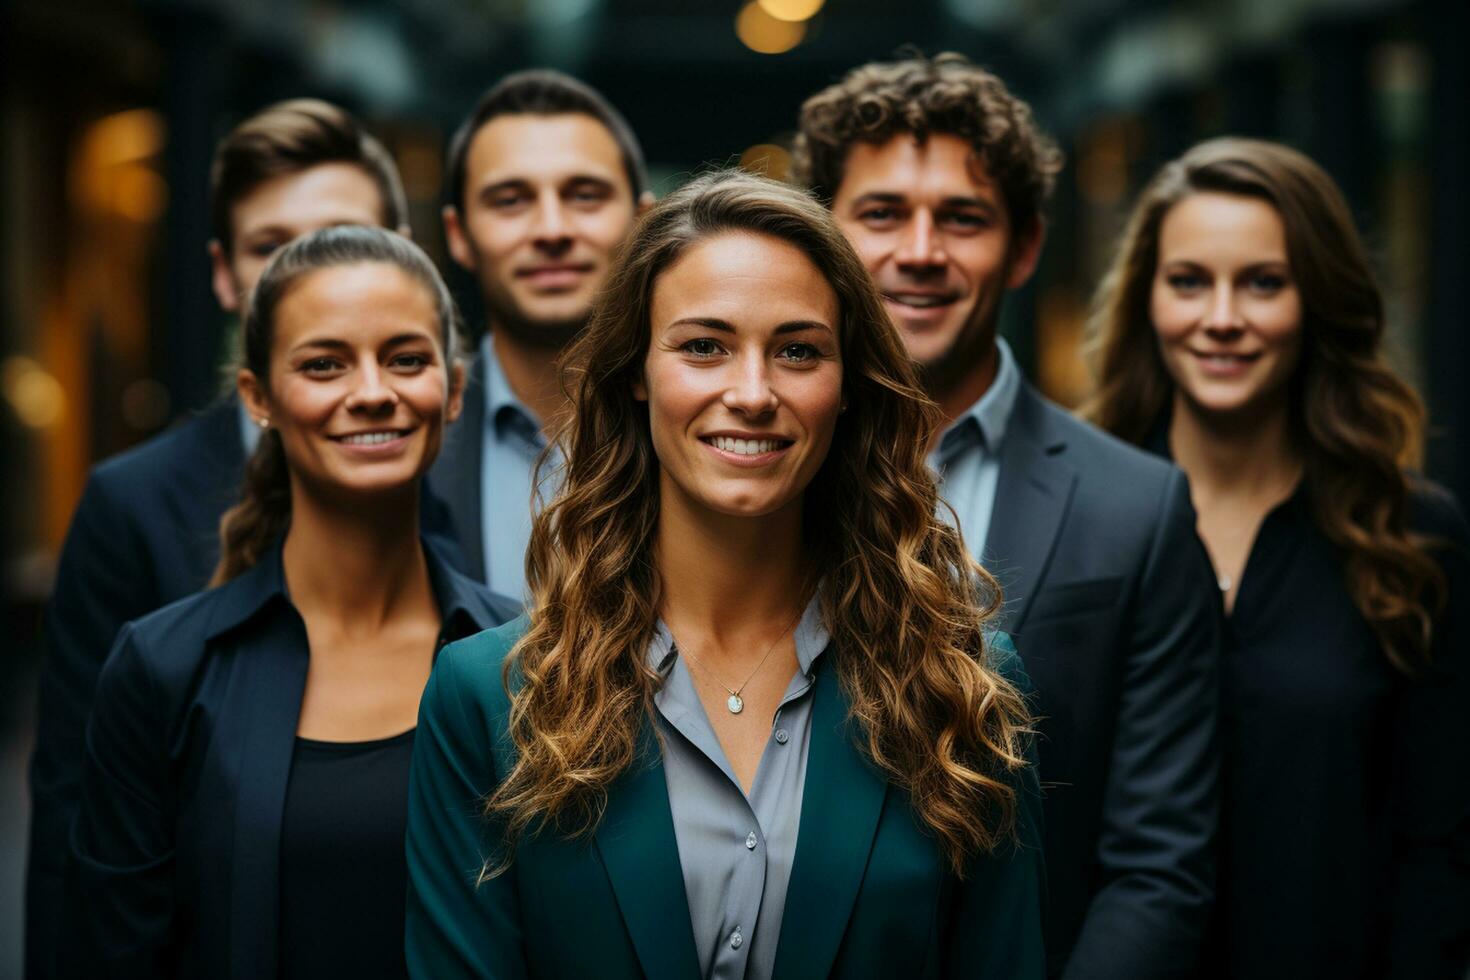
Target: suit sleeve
1155,851
102,582
1429,910
457,925
997,929
119,891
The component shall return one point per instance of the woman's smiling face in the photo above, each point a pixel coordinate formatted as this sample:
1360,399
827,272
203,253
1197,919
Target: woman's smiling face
1225,306
743,376
360,388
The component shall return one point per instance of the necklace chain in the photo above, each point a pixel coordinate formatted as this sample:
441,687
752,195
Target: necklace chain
735,703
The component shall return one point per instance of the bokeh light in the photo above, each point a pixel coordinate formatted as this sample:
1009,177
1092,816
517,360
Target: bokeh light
791,10
768,160
762,33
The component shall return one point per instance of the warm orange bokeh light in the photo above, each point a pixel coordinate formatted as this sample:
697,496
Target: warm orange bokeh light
791,10
761,32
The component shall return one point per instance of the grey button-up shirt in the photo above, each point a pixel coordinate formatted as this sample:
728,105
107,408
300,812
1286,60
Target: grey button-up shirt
736,851
512,443
968,456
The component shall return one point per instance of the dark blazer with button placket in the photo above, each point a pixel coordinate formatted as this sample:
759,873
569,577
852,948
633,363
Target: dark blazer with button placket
175,853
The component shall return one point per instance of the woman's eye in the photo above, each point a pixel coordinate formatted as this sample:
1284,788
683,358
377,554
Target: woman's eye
1185,282
319,365
1266,283
799,353
701,347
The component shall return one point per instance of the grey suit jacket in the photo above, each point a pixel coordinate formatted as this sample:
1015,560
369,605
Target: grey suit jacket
1112,604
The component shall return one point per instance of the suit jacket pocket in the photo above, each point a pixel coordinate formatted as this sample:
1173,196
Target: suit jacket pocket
1076,598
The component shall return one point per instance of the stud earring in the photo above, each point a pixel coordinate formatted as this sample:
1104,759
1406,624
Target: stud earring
263,423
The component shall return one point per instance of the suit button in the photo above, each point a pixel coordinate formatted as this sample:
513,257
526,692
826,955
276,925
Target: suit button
736,939
781,736
750,841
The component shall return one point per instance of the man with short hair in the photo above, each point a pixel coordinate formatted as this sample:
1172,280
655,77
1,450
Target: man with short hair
146,531
545,180
939,175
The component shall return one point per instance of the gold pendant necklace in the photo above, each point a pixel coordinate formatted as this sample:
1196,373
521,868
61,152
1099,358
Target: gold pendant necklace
735,703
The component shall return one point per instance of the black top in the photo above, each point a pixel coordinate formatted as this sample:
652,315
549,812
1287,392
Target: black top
176,850
1345,828
343,871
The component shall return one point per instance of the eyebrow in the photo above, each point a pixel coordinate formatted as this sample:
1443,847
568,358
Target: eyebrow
331,343
724,326
953,201
1248,267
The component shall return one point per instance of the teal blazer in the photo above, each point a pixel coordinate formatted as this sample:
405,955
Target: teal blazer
870,894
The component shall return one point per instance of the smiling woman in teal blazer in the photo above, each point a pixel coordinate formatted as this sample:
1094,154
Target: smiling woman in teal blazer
754,724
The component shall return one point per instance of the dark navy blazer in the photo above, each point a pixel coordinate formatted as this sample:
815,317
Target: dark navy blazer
145,534
1112,604
454,501
174,865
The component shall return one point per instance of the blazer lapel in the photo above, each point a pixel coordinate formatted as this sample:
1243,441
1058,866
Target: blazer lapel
841,803
266,700
455,478
1031,499
638,847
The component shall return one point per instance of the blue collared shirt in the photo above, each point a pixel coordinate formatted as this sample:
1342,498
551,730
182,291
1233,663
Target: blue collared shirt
513,441
968,456
249,431
736,850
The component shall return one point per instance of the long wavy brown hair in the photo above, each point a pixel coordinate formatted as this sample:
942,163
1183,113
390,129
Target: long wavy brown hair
1359,427
903,600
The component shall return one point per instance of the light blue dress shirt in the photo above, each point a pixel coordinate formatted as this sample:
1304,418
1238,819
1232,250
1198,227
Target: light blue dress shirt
249,432
513,441
736,850
967,458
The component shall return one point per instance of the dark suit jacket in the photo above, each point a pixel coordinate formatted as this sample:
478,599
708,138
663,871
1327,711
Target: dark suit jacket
145,533
452,506
1111,601
176,847
870,895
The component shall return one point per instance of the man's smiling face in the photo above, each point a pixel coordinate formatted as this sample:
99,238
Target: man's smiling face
936,235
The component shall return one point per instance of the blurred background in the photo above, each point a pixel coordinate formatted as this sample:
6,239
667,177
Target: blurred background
110,111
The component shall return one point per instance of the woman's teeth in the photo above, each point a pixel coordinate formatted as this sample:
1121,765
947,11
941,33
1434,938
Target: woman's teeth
746,447
371,438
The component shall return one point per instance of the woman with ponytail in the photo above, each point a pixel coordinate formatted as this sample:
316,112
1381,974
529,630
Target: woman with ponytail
1240,331
247,755
757,723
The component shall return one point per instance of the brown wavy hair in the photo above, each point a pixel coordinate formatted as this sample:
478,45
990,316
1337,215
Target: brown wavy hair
1359,426
919,96
250,528
905,603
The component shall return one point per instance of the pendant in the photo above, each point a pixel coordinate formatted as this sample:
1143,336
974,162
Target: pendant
735,704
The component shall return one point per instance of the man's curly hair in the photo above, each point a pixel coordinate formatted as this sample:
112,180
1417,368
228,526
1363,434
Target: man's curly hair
921,95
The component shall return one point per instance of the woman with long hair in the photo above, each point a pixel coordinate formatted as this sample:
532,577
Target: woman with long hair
1240,332
244,800
754,724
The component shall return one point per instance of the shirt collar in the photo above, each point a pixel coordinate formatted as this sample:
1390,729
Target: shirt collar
500,399
465,607
812,639
991,414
